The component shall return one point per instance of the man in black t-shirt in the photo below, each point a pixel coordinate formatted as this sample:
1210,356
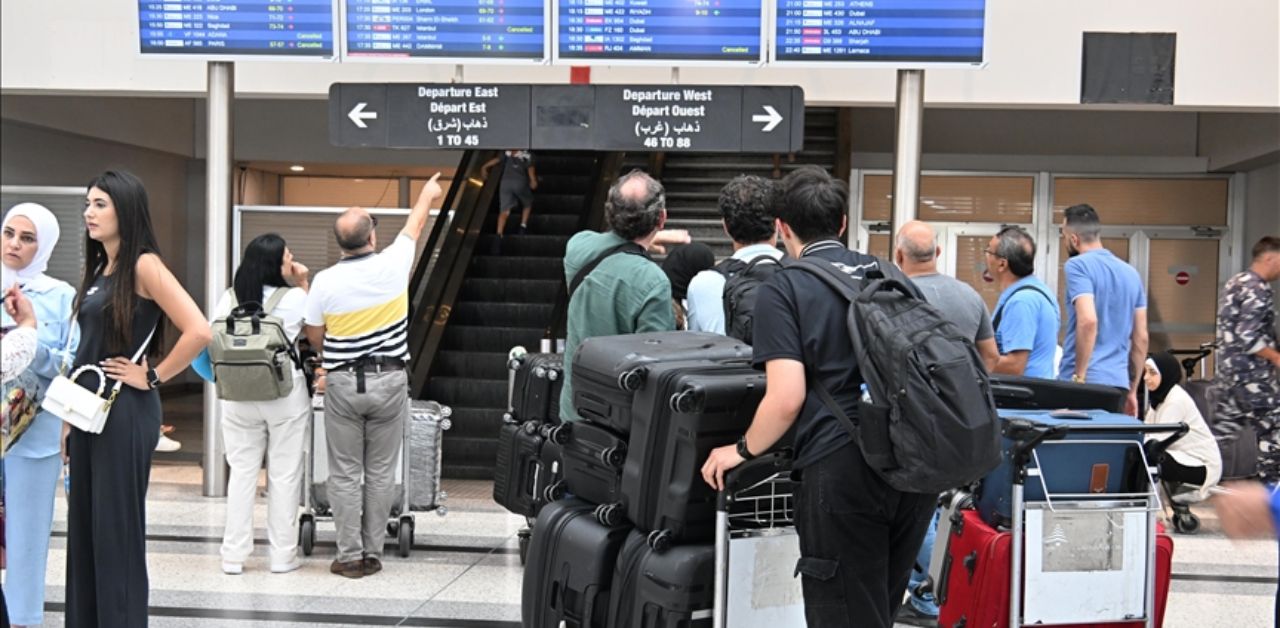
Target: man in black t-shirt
858,535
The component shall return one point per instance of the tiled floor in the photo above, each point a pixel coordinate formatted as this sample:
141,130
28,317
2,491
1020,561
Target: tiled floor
464,571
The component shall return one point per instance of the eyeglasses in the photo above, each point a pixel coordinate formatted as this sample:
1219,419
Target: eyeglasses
993,254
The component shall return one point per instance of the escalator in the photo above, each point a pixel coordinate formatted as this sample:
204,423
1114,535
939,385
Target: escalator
495,296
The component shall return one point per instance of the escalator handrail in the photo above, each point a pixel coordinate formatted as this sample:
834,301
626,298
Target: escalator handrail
417,282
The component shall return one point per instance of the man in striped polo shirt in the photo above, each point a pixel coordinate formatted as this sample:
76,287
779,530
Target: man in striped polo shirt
358,311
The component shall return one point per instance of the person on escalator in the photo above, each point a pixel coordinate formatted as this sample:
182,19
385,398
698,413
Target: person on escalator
519,181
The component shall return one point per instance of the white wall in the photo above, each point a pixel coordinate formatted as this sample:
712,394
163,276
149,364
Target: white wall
1228,55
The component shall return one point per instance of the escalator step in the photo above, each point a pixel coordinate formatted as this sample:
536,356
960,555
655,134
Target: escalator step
558,203
469,458
490,267
526,245
479,313
468,392
489,339
487,365
510,291
562,183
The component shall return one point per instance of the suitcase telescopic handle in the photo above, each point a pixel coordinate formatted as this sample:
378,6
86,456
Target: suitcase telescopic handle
750,473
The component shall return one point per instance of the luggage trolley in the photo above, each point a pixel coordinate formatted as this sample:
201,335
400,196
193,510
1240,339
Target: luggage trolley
757,547
423,433
1096,556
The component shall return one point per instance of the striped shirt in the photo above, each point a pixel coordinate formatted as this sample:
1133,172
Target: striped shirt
363,304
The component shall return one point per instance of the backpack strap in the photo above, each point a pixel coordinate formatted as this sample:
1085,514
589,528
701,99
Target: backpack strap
995,320
630,248
276,298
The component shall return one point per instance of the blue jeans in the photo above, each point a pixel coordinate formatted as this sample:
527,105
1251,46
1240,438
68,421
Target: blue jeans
924,603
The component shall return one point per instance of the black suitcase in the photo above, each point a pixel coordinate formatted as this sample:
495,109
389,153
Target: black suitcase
535,395
671,589
684,410
592,458
607,370
527,473
570,568
1032,393
1239,455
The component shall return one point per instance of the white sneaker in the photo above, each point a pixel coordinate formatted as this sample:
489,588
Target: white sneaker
292,565
232,569
167,444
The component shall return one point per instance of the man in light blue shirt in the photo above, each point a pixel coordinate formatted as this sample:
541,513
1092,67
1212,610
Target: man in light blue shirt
747,210
1106,339
1026,316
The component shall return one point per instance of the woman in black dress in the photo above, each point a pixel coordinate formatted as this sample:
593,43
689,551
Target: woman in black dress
126,293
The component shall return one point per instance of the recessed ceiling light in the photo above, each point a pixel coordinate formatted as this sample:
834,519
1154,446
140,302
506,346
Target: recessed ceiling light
296,168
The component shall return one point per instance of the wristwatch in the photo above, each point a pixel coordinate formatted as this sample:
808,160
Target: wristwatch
742,448
153,380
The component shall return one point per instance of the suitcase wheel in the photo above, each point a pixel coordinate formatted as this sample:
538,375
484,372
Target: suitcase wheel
614,456
683,402
508,417
553,374
559,434
1186,522
632,380
522,537
659,540
609,515
530,428
405,536
553,492
307,534
393,528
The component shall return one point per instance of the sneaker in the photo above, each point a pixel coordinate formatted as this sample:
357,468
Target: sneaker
232,569
371,565
167,445
292,565
911,616
522,230
353,569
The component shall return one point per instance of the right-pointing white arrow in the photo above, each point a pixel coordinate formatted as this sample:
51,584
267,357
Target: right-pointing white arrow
770,116
358,115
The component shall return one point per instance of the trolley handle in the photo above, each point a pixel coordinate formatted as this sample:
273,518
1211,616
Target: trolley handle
750,473
1155,449
1026,435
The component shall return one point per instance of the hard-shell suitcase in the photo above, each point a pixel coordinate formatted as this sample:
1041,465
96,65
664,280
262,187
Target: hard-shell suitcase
428,421
607,370
1066,469
592,458
682,412
1239,455
570,568
535,396
670,589
516,471
974,589
1033,393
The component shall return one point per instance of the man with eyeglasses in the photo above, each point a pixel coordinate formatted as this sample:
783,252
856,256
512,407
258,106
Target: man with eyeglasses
1026,318
357,315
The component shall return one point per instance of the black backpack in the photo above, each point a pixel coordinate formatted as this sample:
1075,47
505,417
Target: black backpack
926,419
741,279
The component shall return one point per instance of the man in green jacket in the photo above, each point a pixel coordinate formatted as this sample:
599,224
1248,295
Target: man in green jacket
621,290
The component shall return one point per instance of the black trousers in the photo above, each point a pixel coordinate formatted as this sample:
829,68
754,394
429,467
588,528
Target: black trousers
1172,471
858,541
107,584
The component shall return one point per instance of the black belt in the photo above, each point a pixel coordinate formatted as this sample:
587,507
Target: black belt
377,364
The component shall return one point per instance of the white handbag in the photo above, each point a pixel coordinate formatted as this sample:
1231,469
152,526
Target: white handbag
82,408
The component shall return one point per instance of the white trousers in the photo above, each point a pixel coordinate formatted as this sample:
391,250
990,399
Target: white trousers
278,429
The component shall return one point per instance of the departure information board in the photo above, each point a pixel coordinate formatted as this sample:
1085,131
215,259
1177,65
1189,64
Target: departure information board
477,29
273,28
901,31
641,30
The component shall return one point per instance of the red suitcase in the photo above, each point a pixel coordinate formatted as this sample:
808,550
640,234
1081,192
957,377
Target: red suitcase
974,592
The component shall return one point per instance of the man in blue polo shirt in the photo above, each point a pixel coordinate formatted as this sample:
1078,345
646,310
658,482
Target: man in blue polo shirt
1106,339
1026,316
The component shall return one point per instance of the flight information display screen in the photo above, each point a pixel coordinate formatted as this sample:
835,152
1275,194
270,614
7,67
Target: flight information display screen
691,30
508,29
903,31
274,28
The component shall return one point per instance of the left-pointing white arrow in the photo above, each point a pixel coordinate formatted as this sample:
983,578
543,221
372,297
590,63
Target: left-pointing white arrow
358,115
770,116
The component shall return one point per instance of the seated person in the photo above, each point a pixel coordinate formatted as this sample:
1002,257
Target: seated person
1193,459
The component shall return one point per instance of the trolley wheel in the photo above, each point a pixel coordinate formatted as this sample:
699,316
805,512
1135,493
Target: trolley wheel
609,515
522,537
307,535
406,536
659,540
1186,523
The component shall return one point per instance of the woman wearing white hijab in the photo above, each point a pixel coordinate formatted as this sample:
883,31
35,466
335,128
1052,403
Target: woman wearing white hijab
32,465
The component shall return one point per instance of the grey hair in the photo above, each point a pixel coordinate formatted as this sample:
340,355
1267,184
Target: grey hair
910,248
1016,246
633,217
356,237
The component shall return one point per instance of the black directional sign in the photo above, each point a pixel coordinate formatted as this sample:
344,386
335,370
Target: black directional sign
636,118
